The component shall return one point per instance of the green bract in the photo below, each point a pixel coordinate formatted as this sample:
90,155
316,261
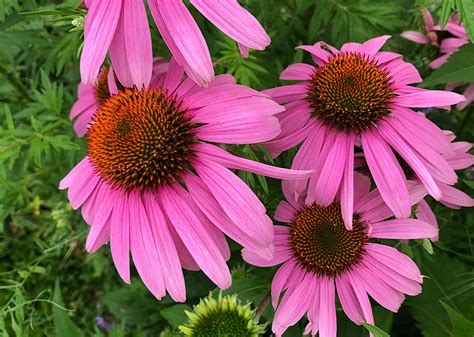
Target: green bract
222,317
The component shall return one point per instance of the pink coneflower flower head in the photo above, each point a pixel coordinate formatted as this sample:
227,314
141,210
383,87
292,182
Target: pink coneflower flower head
121,28
447,40
91,96
321,257
359,95
153,184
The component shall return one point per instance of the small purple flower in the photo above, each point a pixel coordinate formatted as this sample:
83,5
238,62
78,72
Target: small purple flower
102,323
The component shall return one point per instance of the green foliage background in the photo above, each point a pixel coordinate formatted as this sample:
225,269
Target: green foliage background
50,286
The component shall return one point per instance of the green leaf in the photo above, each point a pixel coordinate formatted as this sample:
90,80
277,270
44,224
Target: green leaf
65,327
444,281
462,327
175,314
459,68
375,330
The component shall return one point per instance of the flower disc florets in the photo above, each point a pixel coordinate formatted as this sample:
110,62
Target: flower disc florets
350,92
140,139
321,242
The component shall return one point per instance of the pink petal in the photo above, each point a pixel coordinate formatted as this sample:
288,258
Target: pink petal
144,252
195,236
385,295
347,187
173,274
393,279
238,201
403,229
224,158
395,260
236,22
327,308
98,236
297,71
183,38
415,37
348,299
411,158
428,98
288,93
372,46
332,171
286,275
174,75
101,22
294,304
211,208
137,42
362,298
82,189
456,197
424,213
438,62
387,173
284,212
120,238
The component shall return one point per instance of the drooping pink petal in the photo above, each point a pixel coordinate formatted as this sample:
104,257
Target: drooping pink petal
314,153
137,42
424,213
381,292
120,238
211,208
362,298
173,274
417,124
285,276
98,236
101,23
411,158
194,235
183,38
387,174
294,304
80,190
221,156
347,187
393,279
327,307
238,201
403,229
348,299
220,94
81,105
454,196
83,168
469,94
280,255
416,37
438,62
395,260
332,171
234,21
144,251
